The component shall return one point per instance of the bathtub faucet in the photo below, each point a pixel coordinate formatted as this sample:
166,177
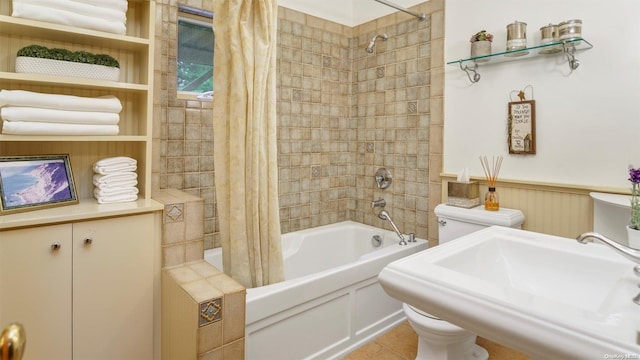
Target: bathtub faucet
384,215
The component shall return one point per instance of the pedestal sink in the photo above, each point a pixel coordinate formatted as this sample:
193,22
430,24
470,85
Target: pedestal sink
547,296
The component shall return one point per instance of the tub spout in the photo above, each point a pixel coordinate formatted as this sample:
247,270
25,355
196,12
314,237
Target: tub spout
384,215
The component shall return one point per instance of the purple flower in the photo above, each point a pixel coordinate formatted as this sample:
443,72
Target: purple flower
634,175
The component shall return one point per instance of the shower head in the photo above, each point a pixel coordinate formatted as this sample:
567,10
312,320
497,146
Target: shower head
372,43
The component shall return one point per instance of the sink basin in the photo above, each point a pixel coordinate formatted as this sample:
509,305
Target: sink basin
547,296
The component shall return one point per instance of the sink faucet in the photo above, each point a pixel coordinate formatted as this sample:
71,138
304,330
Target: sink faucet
629,253
384,215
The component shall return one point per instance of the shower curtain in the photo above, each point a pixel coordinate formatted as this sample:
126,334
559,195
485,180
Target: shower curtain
245,148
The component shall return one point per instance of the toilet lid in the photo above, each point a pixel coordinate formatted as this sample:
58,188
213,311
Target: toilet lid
423,313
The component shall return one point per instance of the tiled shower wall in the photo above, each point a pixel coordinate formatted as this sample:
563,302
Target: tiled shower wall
342,114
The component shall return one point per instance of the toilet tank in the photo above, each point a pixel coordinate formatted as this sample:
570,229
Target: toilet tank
611,215
456,221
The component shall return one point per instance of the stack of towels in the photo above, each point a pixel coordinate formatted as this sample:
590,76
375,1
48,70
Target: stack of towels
115,180
109,16
30,113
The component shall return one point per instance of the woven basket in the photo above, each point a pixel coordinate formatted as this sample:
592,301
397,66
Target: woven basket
25,64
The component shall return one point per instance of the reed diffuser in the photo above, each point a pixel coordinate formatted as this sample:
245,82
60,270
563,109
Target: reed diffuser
491,171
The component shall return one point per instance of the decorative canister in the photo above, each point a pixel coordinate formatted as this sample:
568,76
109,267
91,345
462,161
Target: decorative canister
516,36
570,29
480,48
549,34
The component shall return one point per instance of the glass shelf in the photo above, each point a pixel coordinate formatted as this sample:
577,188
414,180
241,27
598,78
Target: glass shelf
526,53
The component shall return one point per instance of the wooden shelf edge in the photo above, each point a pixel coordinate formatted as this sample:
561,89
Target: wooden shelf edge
87,209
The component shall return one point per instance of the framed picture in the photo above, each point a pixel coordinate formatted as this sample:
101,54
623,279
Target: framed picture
522,127
35,182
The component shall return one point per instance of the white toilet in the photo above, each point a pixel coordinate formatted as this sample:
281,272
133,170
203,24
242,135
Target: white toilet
438,339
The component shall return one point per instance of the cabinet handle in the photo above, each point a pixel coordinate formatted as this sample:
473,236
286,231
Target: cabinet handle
55,246
88,241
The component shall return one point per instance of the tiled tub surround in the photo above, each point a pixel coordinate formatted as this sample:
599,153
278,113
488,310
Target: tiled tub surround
202,313
202,308
182,227
341,114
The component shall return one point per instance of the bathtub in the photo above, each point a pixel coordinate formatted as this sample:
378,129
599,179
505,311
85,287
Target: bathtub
331,302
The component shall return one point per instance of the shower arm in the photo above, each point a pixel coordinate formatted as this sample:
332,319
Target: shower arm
420,16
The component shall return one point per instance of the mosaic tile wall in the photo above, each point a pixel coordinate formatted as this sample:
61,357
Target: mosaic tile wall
342,113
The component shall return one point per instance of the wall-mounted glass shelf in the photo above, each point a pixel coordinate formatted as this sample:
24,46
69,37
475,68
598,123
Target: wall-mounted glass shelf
566,47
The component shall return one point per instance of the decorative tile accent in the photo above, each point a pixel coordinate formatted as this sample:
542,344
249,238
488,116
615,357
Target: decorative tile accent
370,147
173,213
412,107
326,61
210,311
296,95
315,171
380,72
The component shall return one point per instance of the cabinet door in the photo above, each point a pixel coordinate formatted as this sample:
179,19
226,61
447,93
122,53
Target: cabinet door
113,288
35,288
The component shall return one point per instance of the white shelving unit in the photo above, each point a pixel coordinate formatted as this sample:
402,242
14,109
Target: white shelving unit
134,51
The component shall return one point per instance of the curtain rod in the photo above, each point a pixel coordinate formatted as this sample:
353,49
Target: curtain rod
420,16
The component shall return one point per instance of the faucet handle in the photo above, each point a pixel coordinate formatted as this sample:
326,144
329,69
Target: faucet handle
378,203
412,237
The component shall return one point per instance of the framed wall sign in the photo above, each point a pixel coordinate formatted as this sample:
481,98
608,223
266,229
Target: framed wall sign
522,127
35,182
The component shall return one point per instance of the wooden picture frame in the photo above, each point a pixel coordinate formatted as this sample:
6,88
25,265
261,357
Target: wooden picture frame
522,127
35,182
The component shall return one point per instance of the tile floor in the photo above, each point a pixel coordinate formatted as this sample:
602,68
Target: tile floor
401,342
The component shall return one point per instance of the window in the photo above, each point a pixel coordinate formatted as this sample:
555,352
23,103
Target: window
195,50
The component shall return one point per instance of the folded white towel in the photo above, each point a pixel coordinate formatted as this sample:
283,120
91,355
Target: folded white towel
43,128
48,14
104,170
121,5
116,198
116,184
115,161
115,192
80,9
15,113
110,178
60,102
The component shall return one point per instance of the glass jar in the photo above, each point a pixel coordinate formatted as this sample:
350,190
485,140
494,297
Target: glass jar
491,202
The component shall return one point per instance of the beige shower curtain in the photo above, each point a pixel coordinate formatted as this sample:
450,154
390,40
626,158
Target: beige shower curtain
245,148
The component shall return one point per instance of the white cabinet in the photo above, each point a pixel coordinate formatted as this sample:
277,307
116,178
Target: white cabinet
82,290
35,288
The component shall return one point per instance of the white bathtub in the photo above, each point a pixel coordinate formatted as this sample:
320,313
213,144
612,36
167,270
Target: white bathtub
331,302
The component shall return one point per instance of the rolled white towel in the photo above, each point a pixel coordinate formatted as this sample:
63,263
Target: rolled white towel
60,102
97,192
116,198
114,185
43,128
19,113
110,178
80,9
63,17
121,5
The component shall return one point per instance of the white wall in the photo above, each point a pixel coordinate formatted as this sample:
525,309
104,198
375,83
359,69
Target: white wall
346,12
587,122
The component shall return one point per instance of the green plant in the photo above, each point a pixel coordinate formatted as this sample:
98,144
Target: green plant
481,35
634,177
84,57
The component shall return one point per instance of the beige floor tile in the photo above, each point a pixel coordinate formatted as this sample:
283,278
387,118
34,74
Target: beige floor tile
401,343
